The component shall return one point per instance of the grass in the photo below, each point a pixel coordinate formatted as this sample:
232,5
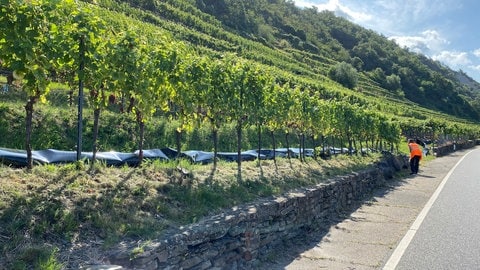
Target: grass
54,207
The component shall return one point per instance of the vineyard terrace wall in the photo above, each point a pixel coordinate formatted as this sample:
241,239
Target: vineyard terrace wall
450,147
240,237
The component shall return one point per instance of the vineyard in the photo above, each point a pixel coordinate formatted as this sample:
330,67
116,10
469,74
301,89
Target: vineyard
132,76
147,72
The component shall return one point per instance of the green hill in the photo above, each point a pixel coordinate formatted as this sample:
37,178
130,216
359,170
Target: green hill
308,43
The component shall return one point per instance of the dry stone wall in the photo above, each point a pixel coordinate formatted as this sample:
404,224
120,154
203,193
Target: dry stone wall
449,147
240,237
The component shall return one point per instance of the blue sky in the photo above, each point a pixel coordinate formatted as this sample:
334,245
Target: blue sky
444,30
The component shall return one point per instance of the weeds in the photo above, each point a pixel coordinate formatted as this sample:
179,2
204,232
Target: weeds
50,263
38,257
139,250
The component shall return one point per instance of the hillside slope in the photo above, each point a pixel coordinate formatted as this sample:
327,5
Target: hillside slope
309,43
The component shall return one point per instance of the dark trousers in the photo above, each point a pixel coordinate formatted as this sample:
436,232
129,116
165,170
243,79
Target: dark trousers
414,164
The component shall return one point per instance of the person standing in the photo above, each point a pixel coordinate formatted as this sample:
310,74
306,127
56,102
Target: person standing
415,156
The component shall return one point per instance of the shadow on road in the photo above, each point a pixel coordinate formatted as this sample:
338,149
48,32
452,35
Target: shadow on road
293,249
425,176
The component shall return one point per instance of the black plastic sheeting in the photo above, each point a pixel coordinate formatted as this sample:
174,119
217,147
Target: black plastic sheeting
18,158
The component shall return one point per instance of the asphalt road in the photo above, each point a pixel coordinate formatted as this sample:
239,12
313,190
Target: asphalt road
373,235
449,235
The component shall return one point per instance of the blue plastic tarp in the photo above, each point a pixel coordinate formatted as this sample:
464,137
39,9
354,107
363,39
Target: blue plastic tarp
52,156
153,154
13,157
199,156
18,158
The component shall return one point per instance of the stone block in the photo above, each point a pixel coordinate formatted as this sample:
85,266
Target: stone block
190,262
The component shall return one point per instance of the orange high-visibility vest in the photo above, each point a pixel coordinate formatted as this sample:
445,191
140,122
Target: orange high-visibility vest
415,150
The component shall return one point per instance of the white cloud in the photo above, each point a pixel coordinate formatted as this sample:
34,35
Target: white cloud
477,52
453,59
477,68
413,11
338,8
330,5
428,42
432,44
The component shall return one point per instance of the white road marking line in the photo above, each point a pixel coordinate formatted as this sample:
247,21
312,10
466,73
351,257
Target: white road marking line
403,245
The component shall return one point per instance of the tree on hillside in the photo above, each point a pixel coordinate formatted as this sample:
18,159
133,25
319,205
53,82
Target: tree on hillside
345,74
89,48
98,81
393,83
141,67
278,103
130,75
261,85
28,37
216,99
389,131
189,81
244,87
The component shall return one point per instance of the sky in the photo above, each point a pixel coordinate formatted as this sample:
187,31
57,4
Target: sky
444,30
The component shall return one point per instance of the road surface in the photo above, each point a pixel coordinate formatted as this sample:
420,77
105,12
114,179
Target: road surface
446,235
373,236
